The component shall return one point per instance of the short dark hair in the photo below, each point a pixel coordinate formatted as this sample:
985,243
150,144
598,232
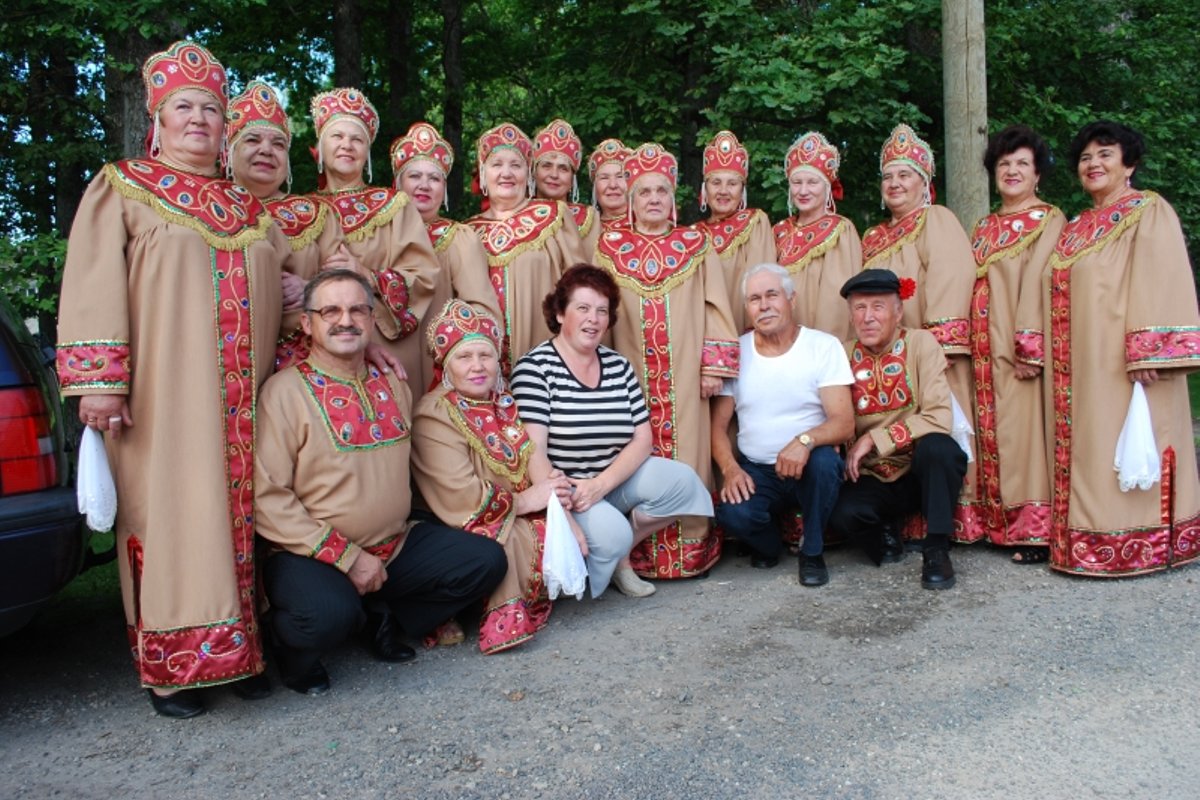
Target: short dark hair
1105,131
332,275
1012,139
581,275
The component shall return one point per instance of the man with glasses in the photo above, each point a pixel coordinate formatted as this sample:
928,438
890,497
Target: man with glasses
333,500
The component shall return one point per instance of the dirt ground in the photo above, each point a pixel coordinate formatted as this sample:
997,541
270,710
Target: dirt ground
1018,683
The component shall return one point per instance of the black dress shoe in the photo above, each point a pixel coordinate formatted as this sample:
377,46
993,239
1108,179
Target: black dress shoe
313,682
383,636
184,704
937,572
813,571
256,687
759,561
891,548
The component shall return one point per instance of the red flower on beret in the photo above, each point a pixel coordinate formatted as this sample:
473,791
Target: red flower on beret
908,287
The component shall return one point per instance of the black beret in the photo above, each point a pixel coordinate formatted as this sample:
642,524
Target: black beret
872,281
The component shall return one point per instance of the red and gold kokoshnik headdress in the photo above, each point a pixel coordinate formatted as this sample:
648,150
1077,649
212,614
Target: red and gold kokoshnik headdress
423,141
344,104
559,137
813,151
725,152
258,106
183,65
503,135
904,145
457,323
649,158
606,151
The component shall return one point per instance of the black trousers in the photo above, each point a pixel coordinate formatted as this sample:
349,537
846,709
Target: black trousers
315,607
931,487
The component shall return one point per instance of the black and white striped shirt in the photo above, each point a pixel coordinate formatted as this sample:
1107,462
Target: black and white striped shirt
587,426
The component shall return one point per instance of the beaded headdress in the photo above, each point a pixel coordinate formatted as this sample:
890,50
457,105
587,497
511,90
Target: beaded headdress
606,151
344,104
257,106
421,141
559,137
183,65
813,152
459,322
725,152
904,145
651,158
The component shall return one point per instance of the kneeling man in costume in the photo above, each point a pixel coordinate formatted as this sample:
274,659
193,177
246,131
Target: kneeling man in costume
903,459
332,498
792,400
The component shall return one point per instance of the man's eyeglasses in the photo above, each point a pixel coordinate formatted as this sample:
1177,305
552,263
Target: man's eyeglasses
333,314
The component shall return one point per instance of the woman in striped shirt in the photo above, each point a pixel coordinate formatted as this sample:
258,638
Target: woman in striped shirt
582,404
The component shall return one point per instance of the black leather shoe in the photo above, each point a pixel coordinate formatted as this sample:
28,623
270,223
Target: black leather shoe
759,561
383,636
937,572
184,704
313,682
813,571
256,687
891,548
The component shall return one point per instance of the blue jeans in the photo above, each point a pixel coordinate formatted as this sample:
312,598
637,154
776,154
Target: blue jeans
753,521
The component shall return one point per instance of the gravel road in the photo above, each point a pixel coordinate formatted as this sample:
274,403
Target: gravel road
1018,683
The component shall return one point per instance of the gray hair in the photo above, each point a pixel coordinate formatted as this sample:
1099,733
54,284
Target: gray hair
785,278
332,275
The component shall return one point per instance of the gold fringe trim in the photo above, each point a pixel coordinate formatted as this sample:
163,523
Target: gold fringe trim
589,221
444,242
313,231
895,246
380,218
1056,262
244,238
494,464
821,249
740,239
507,257
1016,249
658,290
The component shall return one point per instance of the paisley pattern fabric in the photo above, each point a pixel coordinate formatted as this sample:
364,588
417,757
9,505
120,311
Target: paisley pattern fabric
359,414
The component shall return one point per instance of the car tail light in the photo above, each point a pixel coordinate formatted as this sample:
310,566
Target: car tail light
27,457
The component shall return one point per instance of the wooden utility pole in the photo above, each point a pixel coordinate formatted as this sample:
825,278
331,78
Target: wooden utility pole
964,81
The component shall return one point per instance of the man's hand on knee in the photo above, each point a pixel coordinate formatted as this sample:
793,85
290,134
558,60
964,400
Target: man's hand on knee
737,486
367,573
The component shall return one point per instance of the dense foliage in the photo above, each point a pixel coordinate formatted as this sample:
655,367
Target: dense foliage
674,71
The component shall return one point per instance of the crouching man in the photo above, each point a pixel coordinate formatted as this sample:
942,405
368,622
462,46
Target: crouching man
792,400
332,498
903,459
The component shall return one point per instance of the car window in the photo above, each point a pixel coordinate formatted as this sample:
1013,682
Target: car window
12,371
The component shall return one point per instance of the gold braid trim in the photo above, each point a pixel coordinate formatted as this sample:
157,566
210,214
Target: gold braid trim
313,231
244,238
589,221
380,218
1021,245
494,464
661,289
821,249
895,246
552,227
1057,262
443,242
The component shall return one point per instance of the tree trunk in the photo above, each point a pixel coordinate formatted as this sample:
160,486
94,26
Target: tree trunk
964,71
125,120
452,103
347,44
691,156
400,109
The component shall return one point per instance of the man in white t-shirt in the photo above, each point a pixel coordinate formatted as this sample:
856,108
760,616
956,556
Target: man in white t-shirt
792,400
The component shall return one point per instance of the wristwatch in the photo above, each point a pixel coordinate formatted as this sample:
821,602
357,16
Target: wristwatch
805,440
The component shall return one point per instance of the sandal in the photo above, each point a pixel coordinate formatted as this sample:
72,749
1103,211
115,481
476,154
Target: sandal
1031,555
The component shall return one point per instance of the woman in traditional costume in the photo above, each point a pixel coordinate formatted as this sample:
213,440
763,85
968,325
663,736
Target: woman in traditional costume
169,314
383,229
421,162
678,333
1121,308
818,247
610,193
259,136
529,242
1012,246
924,243
557,157
471,463
583,406
741,236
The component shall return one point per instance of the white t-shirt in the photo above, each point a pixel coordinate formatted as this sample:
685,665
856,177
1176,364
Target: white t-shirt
776,397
